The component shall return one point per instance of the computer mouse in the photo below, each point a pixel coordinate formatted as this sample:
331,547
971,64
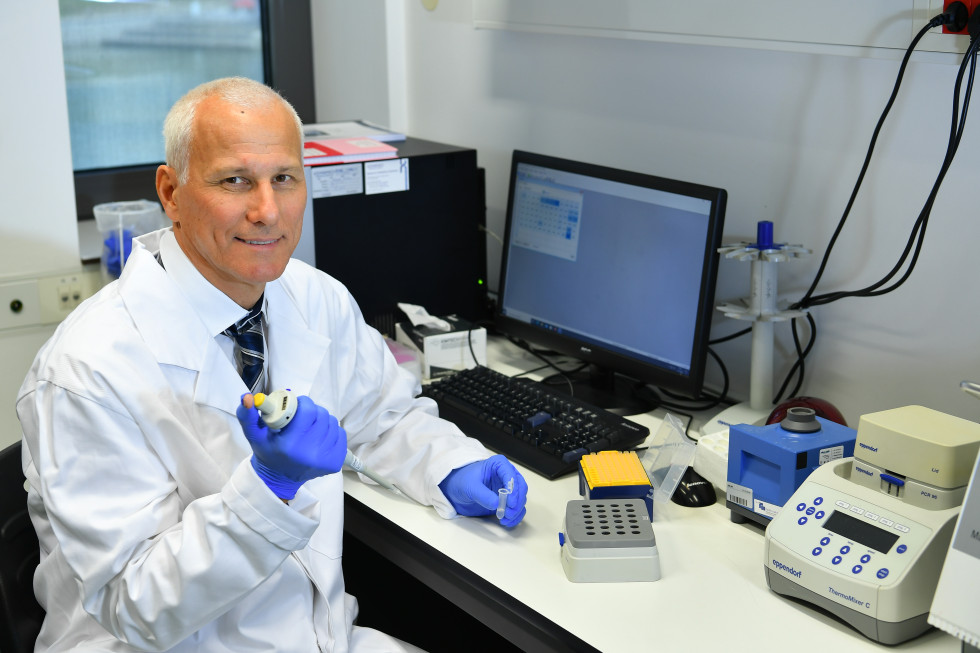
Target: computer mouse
693,491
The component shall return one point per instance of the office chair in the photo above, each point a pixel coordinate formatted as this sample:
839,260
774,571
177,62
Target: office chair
20,614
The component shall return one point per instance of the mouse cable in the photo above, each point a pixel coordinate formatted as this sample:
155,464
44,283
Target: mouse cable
958,123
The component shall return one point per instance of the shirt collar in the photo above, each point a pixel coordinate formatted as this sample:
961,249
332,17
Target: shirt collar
216,309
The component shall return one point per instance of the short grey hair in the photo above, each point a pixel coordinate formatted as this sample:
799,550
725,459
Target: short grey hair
178,126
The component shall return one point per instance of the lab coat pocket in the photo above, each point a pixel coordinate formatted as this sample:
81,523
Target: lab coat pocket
321,558
328,538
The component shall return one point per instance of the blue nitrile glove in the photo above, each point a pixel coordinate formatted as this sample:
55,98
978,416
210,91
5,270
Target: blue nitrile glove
313,444
110,251
472,489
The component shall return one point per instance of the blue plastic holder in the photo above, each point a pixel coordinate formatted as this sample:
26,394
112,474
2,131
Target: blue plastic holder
763,237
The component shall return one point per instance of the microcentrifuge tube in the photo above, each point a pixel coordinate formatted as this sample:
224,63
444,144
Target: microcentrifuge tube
502,494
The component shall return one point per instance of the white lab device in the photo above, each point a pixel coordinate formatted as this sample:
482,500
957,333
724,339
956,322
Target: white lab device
954,607
608,541
865,537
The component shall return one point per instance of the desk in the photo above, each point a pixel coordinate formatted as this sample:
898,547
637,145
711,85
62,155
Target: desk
712,594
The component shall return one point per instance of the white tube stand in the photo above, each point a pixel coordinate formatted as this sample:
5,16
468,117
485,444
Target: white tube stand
763,309
763,305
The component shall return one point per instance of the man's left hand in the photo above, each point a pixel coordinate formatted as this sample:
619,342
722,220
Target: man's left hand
472,489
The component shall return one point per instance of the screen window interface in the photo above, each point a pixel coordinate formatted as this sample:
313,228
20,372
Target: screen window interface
607,263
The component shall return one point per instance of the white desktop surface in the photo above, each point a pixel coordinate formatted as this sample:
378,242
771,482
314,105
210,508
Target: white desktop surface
712,594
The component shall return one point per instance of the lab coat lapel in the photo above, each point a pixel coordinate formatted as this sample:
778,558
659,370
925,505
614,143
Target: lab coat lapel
176,335
170,329
179,341
296,353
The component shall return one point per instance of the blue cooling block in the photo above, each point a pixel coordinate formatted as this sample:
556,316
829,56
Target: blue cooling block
766,464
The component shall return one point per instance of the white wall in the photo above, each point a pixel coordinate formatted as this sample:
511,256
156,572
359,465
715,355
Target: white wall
785,133
37,221
349,46
38,234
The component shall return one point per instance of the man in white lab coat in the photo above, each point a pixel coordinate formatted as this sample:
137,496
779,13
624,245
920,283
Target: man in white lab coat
158,531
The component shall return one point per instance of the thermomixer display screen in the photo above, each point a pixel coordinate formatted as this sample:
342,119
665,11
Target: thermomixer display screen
860,531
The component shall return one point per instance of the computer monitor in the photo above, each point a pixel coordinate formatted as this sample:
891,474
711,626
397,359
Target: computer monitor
615,268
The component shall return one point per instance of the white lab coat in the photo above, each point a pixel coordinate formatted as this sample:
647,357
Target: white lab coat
156,533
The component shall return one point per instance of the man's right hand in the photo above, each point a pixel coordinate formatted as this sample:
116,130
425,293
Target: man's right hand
313,444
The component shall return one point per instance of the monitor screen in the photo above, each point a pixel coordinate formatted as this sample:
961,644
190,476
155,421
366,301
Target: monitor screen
615,268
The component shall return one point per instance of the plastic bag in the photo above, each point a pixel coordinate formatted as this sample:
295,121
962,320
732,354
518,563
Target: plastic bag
119,223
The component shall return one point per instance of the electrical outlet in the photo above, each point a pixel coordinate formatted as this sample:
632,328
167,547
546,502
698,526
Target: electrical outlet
970,6
59,295
936,40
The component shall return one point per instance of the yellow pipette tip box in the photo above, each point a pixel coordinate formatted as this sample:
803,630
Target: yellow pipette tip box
615,475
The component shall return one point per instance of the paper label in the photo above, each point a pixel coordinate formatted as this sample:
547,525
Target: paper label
830,453
386,176
336,180
739,495
767,509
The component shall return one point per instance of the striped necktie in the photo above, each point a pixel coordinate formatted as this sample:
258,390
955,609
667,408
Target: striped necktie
249,348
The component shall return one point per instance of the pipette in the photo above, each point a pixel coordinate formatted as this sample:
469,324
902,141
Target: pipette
279,407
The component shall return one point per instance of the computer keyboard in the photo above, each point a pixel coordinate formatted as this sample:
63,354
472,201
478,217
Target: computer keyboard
530,423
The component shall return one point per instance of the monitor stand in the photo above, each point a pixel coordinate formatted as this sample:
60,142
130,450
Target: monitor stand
606,389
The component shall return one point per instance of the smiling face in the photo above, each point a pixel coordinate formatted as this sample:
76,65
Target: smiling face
239,214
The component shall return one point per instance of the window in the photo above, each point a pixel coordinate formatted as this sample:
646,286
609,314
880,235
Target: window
127,61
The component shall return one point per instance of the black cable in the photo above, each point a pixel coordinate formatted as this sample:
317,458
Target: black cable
562,373
867,159
715,401
730,336
469,341
916,237
639,386
530,371
914,244
801,355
